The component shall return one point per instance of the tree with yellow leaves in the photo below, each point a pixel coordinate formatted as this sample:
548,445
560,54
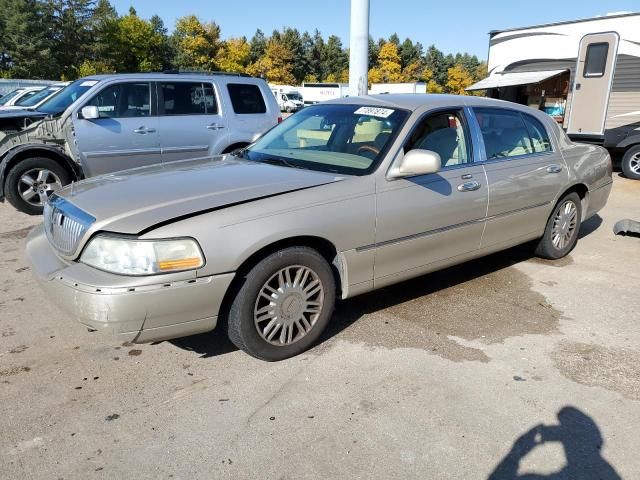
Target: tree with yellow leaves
197,43
233,55
276,64
388,69
458,79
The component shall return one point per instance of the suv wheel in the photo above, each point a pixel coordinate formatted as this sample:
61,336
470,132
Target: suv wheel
563,227
631,163
31,181
283,306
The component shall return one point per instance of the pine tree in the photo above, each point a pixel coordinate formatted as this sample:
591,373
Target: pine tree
336,60
257,46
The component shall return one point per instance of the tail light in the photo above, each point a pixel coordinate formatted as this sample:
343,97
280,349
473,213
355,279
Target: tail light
279,119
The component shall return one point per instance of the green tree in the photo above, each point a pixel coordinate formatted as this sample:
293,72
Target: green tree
336,60
25,44
314,53
138,45
196,43
257,46
374,50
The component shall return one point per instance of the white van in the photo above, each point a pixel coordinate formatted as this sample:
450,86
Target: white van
289,98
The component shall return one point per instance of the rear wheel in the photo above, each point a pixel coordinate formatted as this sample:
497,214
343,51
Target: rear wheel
631,163
563,226
283,306
31,181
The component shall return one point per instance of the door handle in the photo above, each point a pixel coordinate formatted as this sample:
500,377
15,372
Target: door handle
554,168
143,130
468,186
215,126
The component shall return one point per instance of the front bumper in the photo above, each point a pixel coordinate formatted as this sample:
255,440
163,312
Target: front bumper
145,310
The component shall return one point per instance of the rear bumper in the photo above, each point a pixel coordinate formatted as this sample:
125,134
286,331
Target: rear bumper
598,199
140,313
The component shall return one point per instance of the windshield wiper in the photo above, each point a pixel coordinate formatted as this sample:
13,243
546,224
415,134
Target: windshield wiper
280,161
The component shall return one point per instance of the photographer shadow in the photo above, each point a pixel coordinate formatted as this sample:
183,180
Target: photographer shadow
582,443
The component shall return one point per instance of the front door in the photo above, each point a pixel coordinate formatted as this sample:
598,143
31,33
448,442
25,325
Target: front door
190,121
428,219
126,133
592,84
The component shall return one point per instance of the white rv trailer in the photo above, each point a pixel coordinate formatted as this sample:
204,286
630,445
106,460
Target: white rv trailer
319,92
584,73
416,87
288,97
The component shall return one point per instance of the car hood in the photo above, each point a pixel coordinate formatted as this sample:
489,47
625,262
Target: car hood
17,112
136,200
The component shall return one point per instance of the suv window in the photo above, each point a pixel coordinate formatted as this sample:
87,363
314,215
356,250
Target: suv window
443,133
537,132
504,133
123,100
246,98
188,98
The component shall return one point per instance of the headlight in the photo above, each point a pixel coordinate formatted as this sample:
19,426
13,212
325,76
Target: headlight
142,257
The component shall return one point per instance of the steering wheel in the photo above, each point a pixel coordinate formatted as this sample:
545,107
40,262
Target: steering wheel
368,148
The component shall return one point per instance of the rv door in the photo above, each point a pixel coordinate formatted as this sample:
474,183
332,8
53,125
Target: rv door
592,84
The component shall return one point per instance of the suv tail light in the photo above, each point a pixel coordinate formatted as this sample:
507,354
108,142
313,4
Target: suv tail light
279,119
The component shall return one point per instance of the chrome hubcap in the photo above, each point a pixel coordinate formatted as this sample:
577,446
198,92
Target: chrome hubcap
37,184
634,164
564,225
288,305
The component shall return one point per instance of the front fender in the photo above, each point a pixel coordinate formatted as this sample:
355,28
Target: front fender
38,149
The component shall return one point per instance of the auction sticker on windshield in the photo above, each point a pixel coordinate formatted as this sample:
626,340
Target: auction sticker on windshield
374,112
89,83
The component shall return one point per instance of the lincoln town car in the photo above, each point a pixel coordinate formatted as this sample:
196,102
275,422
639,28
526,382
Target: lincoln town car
340,199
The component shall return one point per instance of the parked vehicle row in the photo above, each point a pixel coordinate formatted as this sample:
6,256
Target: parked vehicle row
107,123
343,198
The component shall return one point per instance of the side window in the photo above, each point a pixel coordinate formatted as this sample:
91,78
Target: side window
504,133
188,98
246,98
443,133
539,136
595,62
123,100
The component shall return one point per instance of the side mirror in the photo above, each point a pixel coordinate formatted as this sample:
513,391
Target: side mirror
416,162
90,113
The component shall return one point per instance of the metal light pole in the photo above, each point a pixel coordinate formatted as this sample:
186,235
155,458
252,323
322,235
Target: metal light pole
359,48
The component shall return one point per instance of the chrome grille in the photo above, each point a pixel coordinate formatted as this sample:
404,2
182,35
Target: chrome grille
65,224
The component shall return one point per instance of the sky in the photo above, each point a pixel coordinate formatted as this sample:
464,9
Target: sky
453,26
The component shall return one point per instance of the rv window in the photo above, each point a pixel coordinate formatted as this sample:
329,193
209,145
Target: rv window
595,61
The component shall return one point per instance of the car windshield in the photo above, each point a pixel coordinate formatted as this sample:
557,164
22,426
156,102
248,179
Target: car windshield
348,139
9,96
37,98
293,96
59,103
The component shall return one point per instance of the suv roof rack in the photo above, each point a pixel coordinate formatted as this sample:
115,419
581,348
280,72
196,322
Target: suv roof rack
201,72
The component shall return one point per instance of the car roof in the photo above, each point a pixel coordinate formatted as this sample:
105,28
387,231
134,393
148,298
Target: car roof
171,76
415,101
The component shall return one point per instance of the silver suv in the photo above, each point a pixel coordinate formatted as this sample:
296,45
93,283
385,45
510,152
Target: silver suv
107,123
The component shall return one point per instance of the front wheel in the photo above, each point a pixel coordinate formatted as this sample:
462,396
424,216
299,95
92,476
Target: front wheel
563,226
31,181
631,163
284,304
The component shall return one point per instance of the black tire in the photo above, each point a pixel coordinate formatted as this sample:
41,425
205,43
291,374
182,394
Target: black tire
12,183
241,327
288,109
631,163
546,247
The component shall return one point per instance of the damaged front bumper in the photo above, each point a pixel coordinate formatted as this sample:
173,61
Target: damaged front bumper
143,310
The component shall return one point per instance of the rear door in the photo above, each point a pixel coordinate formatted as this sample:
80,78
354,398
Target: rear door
126,133
190,122
592,85
525,172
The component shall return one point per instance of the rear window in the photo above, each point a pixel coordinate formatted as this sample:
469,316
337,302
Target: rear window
595,61
188,98
246,99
